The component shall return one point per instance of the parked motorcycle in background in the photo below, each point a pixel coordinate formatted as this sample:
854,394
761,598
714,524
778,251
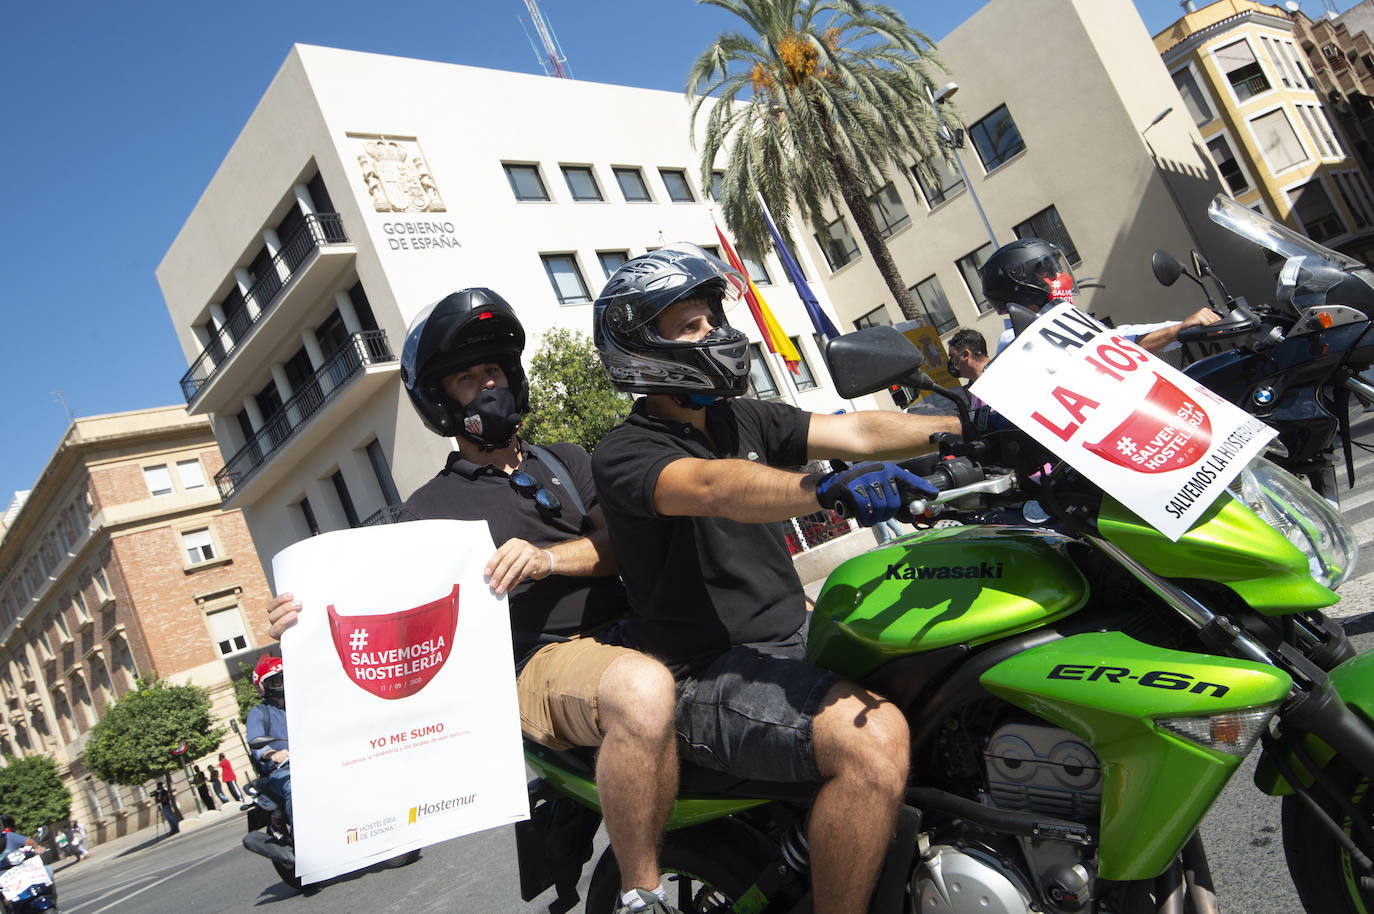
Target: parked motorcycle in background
1297,362
25,885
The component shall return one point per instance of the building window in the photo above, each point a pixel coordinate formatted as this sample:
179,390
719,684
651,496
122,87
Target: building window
1277,140
63,633
1313,207
1194,99
158,479
198,545
1242,70
1046,224
632,185
308,514
582,183
1271,50
888,210
102,586
1357,198
675,179
996,138
611,261
875,318
566,278
345,500
190,474
970,266
837,244
1319,128
761,381
716,178
1230,169
525,181
756,270
803,379
227,631
936,306
382,470
79,604
942,182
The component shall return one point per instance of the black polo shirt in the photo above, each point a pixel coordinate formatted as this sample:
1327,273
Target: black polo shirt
698,585
558,605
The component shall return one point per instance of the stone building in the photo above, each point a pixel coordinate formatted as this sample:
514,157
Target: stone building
120,563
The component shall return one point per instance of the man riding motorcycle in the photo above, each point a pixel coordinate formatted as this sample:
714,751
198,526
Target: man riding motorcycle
461,367
267,719
692,498
1032,272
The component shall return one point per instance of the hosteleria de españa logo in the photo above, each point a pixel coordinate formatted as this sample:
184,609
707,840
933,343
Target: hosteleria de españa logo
395,655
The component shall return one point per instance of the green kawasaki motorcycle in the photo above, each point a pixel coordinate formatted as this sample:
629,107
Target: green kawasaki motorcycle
1078,688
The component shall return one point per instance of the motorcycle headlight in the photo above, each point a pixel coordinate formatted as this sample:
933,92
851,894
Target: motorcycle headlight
1307,520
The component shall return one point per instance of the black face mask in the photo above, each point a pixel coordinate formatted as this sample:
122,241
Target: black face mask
491,419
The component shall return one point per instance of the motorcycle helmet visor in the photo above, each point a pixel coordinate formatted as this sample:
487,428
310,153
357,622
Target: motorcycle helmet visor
704,277
1049,271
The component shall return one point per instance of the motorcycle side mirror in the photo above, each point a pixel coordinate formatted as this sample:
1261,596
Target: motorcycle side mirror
870,360
1166,267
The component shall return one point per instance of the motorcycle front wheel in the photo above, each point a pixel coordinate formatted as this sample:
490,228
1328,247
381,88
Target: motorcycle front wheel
705,870
1327,880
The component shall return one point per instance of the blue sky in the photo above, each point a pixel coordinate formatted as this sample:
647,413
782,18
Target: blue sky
120,113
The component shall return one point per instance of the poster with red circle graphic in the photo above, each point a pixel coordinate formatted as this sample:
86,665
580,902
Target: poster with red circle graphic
400,686
1150,436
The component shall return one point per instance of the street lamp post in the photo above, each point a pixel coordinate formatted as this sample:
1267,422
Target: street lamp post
945,93
1164,176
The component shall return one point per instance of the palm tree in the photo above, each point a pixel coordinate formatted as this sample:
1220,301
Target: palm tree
818,103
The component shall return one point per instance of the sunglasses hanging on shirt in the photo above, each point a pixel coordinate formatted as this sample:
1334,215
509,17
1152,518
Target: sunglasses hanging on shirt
545,501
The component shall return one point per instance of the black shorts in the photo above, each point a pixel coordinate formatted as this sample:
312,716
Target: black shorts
750,712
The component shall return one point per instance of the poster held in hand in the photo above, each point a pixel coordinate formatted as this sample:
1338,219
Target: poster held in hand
400,690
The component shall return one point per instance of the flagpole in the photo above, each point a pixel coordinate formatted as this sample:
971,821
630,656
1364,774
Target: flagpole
798,254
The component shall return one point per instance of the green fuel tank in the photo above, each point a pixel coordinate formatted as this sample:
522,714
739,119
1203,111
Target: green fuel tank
950,586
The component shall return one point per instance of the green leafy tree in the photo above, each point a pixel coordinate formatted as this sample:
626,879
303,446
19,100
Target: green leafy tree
245,693
133,742
570,396
822,99
32,792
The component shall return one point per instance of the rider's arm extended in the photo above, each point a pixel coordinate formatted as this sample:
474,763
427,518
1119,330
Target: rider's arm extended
873,434
1163,337
733,488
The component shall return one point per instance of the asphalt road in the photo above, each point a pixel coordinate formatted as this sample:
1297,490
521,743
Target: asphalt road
207,872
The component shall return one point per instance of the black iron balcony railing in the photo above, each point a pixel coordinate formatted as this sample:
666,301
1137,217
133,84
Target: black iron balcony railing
367,348
318,229
388,514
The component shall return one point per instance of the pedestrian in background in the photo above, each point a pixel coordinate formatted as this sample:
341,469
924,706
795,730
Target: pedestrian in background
231,780
202,787
215,785
76,840
166,802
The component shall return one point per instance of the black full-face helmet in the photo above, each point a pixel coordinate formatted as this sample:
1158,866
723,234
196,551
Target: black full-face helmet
1029,272
465,328
639,360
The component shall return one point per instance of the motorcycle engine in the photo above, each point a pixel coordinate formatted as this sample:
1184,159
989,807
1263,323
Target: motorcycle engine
1042,770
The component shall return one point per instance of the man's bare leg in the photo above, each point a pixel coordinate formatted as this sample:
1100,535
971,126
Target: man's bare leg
861,744
636,768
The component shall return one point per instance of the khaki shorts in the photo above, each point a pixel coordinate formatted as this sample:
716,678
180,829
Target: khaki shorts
557,691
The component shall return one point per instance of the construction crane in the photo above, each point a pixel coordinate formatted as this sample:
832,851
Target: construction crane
551,58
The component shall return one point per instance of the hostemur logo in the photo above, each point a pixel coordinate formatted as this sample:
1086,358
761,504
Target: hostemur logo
395,655
421,810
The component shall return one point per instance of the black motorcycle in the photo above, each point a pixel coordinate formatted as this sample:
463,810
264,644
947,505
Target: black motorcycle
1297,363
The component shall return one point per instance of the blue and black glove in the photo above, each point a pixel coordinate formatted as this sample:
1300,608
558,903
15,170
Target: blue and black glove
871,492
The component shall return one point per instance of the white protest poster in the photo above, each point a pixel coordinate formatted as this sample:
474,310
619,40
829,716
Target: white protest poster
400,690
1156,440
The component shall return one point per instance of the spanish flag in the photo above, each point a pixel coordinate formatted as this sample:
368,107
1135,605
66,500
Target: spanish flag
768,324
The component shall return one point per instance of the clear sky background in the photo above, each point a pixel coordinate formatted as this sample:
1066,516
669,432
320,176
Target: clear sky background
119,114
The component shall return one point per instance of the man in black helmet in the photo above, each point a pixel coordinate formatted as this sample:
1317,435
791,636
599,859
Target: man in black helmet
693,487
461,368
1032,272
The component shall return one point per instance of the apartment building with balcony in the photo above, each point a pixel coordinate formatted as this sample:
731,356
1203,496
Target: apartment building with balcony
1062,139
118,563
363,189
1340,55
1245,74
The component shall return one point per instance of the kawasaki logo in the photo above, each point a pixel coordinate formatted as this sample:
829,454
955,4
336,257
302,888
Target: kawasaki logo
942,572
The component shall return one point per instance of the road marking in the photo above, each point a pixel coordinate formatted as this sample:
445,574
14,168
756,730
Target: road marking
139,892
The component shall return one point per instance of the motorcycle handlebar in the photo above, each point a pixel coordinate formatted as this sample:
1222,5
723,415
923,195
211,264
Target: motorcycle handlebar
1240,322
